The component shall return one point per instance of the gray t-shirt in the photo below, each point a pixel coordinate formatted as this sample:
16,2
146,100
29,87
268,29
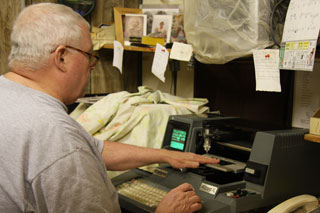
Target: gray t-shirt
48,162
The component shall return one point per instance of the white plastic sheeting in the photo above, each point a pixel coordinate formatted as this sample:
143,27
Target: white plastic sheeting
223,30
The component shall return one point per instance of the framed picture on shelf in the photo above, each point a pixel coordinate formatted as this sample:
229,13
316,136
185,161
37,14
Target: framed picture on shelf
151,9
161,27
135,25
119,20
177,30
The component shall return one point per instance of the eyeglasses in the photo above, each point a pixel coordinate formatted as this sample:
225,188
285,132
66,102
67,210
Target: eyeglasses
93,59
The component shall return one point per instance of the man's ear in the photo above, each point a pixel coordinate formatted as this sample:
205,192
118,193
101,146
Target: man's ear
60,58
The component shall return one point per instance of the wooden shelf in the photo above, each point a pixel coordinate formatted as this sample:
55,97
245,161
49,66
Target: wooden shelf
134,48
312,138
131,48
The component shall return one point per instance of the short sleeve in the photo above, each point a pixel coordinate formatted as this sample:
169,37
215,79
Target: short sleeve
99,144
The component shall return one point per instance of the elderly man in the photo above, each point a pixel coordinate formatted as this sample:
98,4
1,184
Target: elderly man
48,162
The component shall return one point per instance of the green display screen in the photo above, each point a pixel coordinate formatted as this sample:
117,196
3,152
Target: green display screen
178,139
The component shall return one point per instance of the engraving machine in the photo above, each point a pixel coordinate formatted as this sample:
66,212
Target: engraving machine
258,167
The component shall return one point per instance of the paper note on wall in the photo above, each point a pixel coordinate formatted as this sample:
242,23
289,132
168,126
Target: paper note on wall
266,63
300,35
160,62
181,51
117,55
306,99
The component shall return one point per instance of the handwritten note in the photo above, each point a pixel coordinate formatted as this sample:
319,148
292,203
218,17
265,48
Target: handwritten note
160,62
181,51
266,64
300,35
117,55
302,20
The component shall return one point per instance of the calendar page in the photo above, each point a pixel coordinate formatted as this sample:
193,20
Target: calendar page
300,35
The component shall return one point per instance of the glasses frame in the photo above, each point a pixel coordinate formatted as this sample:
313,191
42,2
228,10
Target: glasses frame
93,59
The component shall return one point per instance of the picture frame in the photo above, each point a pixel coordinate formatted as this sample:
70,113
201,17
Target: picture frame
151,9
161,27
135,25
119,14
177,30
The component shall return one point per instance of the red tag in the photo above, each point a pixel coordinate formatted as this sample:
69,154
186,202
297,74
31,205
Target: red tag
267,56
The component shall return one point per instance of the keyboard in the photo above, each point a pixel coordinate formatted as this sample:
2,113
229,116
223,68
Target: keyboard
143,191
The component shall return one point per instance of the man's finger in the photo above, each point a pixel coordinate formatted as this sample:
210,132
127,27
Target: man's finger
195,207
185,187
193,197
206,159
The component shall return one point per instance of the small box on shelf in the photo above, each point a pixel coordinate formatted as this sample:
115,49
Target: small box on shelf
152,41
314,133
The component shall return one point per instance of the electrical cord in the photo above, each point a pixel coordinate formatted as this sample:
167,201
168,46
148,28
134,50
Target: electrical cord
281,14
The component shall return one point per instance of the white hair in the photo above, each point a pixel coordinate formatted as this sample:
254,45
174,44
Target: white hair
39,29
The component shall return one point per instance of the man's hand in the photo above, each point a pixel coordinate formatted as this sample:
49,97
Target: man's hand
180,199
118,157
187,159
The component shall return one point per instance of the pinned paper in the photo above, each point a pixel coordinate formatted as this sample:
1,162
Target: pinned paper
160,62
117,55
300,34
306,99
302,20
266,63
181,51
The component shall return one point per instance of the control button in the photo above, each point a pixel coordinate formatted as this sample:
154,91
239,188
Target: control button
250,171
243,193
229,194
239,193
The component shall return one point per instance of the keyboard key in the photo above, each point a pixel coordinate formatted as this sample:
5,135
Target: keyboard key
142,192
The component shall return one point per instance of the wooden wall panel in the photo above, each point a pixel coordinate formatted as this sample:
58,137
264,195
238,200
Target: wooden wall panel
28,2
8,12
103,12
106,78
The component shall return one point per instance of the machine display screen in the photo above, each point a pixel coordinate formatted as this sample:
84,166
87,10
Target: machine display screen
178,139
